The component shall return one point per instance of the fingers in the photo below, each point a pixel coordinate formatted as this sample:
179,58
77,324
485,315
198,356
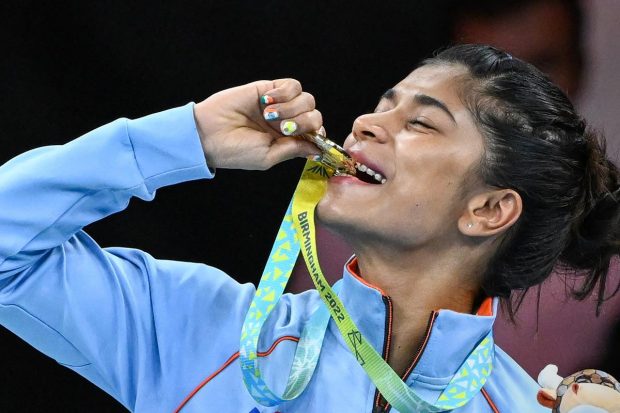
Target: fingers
295,116
286,148
303,123
304,102
290,111
283,90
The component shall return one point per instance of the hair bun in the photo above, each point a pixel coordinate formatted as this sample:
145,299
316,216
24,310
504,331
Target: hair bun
595,232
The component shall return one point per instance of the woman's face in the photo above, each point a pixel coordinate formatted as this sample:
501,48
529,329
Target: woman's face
423,141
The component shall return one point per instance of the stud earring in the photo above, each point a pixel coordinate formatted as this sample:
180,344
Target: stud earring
470,225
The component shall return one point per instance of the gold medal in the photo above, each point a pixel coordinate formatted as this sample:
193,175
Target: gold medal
333,155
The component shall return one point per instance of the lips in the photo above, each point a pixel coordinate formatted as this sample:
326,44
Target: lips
367,170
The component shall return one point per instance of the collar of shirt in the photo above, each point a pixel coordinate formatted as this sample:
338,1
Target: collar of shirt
451,338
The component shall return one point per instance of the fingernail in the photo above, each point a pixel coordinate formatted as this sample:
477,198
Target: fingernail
288,127
271,113
266,100
315,158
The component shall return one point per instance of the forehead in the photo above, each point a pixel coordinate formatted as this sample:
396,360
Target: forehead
440,81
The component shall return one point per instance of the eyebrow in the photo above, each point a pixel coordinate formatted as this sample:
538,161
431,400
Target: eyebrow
422,99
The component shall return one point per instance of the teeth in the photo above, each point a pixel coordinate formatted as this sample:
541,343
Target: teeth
377,176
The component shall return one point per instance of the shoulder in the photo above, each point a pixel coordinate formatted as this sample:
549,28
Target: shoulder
510,388
188,292
201,292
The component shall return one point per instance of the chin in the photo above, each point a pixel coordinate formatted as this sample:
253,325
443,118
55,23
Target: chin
333,216
326,213
342,221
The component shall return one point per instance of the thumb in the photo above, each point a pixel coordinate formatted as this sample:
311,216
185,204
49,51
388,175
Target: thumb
290,147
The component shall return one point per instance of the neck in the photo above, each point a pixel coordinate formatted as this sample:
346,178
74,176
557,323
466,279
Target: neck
418,283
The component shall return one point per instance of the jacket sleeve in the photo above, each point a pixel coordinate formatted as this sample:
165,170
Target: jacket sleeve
86,307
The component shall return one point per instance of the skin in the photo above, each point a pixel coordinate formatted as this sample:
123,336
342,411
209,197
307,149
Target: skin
423,237
411,236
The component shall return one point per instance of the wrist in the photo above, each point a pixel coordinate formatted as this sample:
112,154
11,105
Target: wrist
200,115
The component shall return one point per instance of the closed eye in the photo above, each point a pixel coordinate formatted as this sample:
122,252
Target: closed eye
418,122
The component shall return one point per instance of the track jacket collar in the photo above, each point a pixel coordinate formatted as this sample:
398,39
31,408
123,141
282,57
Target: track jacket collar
452,335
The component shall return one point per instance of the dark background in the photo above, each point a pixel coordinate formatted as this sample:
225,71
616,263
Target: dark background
68,67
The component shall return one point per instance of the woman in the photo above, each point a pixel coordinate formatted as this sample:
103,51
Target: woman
490,178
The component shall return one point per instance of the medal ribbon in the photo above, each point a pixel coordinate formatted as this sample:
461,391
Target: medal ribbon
298,227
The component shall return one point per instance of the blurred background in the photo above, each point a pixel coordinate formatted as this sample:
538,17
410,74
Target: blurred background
69,67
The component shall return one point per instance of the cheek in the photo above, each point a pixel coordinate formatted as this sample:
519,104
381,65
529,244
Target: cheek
440,169
432,192
426,175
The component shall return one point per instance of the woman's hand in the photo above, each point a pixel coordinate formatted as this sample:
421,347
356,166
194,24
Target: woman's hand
246,127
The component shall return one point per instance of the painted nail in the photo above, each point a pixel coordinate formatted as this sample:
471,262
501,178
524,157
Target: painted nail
315,158
271,114
266,100
288,127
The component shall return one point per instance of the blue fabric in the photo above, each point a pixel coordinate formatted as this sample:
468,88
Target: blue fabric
149,331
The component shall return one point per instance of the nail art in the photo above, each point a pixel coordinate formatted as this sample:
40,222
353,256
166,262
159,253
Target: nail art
266,100
288,127
271,114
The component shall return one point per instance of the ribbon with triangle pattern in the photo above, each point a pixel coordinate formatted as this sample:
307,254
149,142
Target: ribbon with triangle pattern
297,232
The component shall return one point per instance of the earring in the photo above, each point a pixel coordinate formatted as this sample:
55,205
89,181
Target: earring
470,225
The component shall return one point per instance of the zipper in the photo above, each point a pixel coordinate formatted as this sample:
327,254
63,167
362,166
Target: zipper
381,405
387,301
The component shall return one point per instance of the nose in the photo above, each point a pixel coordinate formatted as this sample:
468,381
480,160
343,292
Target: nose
367,127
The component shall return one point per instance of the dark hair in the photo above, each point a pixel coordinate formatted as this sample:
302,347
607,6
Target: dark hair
536,144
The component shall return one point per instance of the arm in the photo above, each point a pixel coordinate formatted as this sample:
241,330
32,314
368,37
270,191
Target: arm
88,308
99,311
50,193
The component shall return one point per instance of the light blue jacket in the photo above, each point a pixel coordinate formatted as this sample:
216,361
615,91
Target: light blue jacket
156,333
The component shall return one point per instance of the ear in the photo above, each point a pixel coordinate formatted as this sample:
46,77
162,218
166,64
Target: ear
490,213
